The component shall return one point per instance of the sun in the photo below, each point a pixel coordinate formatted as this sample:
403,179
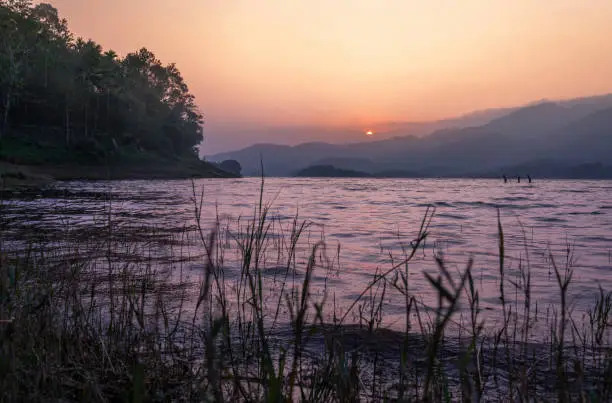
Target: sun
369,133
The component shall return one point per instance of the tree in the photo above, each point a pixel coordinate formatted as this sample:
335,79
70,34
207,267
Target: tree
55,27
85,96
21,7
232,166
12,54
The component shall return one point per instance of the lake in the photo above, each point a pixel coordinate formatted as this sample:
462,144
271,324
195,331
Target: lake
371,219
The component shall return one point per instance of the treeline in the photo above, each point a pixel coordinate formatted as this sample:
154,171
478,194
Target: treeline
70,94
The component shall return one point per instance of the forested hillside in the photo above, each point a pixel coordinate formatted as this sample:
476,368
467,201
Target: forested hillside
68,100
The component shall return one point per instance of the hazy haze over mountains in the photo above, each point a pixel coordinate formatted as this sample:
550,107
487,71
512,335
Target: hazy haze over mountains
294,135
548,137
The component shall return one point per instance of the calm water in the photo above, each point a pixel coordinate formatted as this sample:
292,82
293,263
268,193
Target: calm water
372,218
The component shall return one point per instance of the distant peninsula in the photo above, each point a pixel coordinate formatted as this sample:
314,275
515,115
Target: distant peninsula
70,110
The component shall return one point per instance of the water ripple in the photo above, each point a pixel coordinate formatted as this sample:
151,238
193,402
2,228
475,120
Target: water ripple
373,220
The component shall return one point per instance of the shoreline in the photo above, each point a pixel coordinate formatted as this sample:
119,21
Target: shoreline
19,176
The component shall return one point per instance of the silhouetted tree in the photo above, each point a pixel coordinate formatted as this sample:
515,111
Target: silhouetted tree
232,166
100,102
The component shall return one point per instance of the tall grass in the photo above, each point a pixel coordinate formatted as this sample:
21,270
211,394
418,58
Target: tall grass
117,315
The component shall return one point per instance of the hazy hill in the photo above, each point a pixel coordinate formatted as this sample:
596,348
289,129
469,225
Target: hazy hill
569,132
421,129
532,121
553,169
586,140
294,135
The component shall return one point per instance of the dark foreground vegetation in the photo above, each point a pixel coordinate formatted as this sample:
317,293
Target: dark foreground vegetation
65,103
109,312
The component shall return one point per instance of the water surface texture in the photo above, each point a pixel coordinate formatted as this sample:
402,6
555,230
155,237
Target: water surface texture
371,219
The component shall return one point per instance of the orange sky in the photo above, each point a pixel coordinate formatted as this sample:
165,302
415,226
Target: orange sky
257,63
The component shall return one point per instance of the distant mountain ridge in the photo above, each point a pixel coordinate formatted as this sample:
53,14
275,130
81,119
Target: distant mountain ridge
569,132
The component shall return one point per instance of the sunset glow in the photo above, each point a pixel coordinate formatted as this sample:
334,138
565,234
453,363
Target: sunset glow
369,133
344,63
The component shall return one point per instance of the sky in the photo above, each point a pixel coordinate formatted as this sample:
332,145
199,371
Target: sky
288,71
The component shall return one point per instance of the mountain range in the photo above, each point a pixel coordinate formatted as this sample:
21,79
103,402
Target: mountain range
566,138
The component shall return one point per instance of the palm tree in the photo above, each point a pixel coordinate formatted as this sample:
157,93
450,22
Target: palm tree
12,50
89,75
110,82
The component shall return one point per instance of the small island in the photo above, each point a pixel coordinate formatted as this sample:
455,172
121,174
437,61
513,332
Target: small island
71,110
329,171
